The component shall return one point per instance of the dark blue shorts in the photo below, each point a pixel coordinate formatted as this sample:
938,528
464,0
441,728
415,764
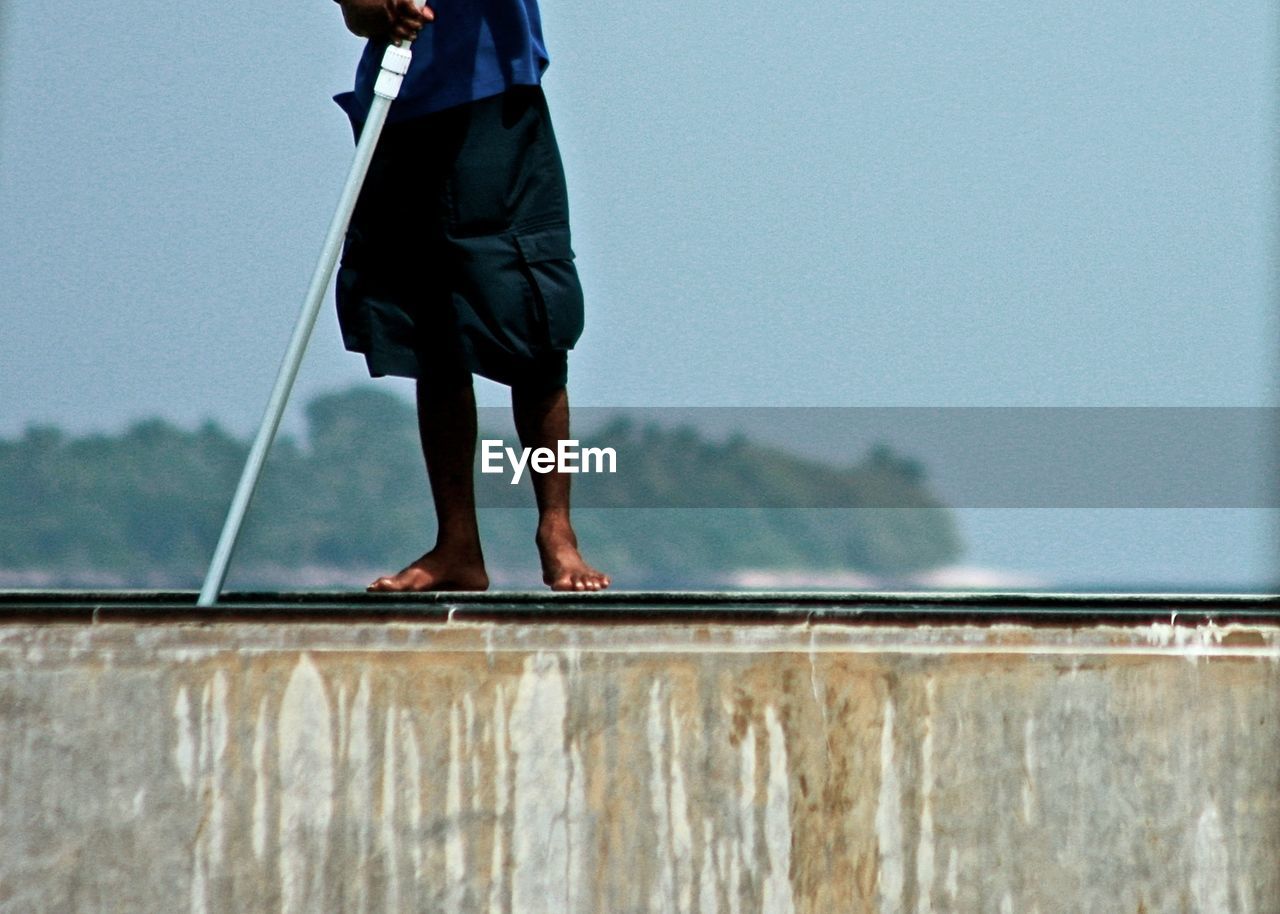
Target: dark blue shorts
458,258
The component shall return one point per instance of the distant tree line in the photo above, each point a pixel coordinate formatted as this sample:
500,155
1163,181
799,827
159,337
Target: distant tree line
144,506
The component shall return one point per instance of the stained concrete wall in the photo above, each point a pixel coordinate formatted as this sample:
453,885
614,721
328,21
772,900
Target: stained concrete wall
634,768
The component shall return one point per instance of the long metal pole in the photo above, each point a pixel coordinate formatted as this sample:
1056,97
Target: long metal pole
394,65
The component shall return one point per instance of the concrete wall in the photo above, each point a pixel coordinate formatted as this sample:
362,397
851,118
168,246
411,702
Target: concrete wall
634,768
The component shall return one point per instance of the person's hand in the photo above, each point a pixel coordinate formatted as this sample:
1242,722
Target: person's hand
385,20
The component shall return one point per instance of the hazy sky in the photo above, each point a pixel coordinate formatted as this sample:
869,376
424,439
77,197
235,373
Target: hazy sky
1066,202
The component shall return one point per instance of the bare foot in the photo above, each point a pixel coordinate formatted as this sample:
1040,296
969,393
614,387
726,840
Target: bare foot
563,567
437,570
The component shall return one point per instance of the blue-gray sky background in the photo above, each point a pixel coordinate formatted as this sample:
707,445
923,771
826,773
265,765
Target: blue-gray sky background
1063,203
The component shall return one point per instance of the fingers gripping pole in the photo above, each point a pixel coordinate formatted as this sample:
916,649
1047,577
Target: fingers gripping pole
395,63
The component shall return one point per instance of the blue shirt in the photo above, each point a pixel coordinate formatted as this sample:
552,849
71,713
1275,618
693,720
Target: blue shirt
472,50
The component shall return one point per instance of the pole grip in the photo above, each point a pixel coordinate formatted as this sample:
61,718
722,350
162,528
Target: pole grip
395,64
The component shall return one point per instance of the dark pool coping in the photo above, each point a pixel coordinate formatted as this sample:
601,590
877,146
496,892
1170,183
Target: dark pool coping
641,607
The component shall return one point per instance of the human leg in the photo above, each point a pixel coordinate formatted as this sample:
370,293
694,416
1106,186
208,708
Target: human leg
447,427
542,420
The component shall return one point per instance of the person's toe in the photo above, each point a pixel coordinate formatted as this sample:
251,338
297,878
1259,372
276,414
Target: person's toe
387,584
